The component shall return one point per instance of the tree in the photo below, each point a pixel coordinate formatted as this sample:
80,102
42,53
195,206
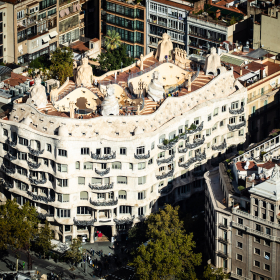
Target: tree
111,60
62,64
112,40
214,274
44,238
75,252
18,225
168,254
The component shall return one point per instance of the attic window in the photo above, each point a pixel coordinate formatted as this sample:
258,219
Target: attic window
51,122
16,117
35,125
97,133
44,128
22,109
117,133
83,133
32,113
70,134
77,125
41,120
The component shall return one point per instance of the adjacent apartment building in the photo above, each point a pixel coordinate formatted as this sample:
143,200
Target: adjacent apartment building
128,19
242,213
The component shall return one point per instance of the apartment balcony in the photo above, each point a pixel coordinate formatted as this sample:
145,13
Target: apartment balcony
239,277
103,172
236,126
36,197
33,165
223,240
11,143
35,181
223,226
165,175
205,37
8,185
237,111
142,156
222,254
104,157
78,221
101,187
195,130
198,157
35,152
196,143
126,220
167,160
8,170
168,146
104,203
220,147
10,157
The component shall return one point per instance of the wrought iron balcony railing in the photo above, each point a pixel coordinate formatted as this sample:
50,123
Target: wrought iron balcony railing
197,129
8,170
168,174
104,203
128,220
196,143
167,160
8,185
84,223
104,187
236,111
169,145
182,150
142,156
11,143
33,165
104,157
197,157
102,173
40,197
37,182
35,152
11,157
236,126
220,147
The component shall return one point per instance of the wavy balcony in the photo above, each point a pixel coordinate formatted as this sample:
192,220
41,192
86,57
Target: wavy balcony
198,157
40,197
105,157
44,216
142,156
196,143
169,145
11,143
33,165
37,182
163,176
128,220
8,170
102,173
167,160
236,111
236,126
10,157
104,203
197,129
182,150
220,147
8,185
84,222
35,152
99,188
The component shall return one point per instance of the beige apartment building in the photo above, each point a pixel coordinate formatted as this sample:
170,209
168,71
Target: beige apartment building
242,213
38,27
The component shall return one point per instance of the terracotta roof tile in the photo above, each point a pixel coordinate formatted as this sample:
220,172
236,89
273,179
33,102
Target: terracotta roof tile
16,79
177,5
241,164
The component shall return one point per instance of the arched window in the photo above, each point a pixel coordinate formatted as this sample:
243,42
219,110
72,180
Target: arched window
77,165
122,194
83,195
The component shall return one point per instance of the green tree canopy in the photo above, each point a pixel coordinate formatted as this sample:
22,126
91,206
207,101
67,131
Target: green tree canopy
214,274
75,252
62,64
112,40
111,60
18,225
169,251
44,238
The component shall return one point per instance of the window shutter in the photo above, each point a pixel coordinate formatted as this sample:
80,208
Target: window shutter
81,180
96,181
83,195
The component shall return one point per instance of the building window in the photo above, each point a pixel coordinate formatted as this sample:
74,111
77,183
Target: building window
234,105
122,180
239,257
216,111
232,120
209,117
267,255
140,150
224,108
196,121
141,165
240,221
83,195
49,148
20,14
267,267
150,161
267,243
239,245
258,227
131,166
208,132
116,165
77,165
221,123
62,182
153,145
5,132
63,197
239,271
23,141
62,167
257,251
141,195
257,240
141,211
107,150
84,151
257,263
141,180
123,151
101,196
241,132
239,233
83,210
81,180
122,194
62,153
63,213
125,209
268,231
